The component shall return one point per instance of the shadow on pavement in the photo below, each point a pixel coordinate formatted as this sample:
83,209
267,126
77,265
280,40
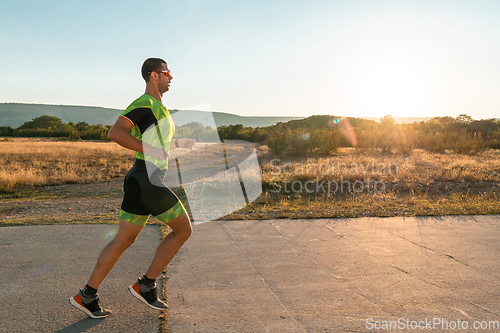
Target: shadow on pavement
81,326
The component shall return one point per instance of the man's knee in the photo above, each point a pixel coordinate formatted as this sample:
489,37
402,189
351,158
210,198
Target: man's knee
124,242
184,232
129,240
181,226
187,232
127,234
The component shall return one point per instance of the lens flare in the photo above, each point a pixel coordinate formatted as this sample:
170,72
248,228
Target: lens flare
346,128
109,234
305,136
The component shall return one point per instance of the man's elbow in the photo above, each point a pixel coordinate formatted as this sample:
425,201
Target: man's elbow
112,134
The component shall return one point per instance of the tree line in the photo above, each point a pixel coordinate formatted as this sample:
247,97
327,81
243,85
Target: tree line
323,135
51,126
313,136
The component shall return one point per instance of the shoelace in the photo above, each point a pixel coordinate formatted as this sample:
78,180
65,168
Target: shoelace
150,295
94,305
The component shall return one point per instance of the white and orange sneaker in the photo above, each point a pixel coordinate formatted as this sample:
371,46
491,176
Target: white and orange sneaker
89,304
146,293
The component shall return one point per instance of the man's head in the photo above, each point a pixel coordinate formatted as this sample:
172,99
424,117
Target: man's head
155,71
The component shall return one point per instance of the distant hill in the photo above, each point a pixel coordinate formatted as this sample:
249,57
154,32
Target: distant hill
410,120
404,120
16,114
182,117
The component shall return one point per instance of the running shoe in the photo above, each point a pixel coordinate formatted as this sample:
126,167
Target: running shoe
146,293
89,304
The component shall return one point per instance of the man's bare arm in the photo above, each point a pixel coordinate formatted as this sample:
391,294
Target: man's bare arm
120,133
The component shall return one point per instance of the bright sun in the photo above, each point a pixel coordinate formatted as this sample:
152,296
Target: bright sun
393,87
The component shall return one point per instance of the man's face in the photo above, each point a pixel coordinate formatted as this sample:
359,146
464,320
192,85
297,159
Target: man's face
164,79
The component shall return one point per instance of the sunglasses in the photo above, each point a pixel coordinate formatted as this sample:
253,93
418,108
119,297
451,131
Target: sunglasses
167,72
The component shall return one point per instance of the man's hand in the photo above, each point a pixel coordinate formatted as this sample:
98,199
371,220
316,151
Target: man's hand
156,153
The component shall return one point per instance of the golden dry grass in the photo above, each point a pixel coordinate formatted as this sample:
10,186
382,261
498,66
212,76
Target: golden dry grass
31,162
36,162
422,183
422,168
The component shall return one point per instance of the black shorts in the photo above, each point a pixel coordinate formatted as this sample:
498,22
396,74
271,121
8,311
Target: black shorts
145,196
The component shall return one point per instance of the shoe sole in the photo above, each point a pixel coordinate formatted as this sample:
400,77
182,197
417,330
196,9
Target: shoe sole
140,298
84,309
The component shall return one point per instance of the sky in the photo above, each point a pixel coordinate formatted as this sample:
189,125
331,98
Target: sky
259,58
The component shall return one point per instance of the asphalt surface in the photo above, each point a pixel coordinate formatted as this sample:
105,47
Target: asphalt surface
330,275
43,266
338,275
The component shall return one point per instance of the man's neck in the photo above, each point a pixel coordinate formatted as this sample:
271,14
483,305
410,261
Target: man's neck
154,92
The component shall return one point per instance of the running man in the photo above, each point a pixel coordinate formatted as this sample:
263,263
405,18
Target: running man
143,197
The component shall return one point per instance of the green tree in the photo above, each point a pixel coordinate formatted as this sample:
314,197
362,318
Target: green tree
387,121
464,119
6,131
82,126
42,122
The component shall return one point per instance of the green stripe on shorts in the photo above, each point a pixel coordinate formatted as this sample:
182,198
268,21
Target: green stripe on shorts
134,219
172,213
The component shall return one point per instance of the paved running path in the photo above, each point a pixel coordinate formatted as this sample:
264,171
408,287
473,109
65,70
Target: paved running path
331,275
43,266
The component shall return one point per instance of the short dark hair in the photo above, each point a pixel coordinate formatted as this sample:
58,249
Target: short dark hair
150,65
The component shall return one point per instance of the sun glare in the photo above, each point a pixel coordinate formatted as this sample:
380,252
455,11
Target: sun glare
391,87
389,66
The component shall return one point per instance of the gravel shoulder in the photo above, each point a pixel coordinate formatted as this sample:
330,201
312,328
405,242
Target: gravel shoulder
63,204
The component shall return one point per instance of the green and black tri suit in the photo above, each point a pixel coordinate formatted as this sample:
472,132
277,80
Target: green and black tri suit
143,197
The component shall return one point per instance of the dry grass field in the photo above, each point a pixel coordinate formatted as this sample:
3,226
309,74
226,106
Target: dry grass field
420,170
371,184
361,183
34,162
37,162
